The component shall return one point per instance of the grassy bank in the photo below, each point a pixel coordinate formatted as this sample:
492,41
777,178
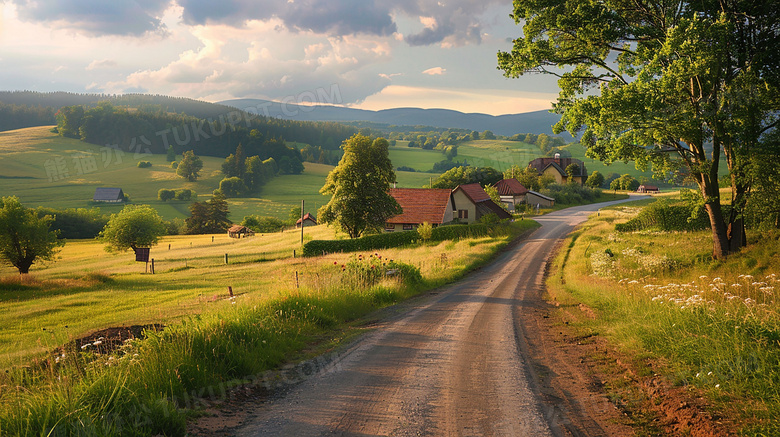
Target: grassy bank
710,327
147,387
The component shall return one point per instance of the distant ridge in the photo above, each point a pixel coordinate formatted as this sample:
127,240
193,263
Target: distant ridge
537,122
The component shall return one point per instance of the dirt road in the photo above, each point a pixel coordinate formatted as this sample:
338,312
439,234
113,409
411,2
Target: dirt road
452,363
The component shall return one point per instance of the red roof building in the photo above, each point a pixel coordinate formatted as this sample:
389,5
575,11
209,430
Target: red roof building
420,205
512,192
308,220
472,202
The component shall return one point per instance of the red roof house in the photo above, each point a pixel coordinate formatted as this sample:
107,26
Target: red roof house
308,220
512,192
420,205
472,202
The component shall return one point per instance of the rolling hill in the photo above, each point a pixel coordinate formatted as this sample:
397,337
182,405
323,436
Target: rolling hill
537,122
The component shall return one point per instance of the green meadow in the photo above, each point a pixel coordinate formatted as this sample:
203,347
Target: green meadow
711,327
28,170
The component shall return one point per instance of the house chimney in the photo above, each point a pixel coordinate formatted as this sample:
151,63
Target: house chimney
558,158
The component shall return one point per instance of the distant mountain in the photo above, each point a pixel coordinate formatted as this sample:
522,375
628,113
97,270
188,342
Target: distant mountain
531,122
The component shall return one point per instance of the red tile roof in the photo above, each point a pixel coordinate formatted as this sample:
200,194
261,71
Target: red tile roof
510,187
307,216
475,192
420,205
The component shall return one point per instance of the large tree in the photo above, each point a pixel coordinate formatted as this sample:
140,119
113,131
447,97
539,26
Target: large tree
189,166
661,82
25,237
209,217
133,227
359,187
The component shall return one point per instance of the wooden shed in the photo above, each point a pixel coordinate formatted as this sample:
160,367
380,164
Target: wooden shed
109,195
238,231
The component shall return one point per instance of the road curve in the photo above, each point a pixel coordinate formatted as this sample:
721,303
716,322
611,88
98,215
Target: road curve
451,363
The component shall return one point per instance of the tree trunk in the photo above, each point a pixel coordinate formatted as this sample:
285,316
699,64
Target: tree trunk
736,235
720,237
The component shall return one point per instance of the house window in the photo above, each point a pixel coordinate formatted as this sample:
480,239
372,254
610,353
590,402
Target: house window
463,213
389,227
408,226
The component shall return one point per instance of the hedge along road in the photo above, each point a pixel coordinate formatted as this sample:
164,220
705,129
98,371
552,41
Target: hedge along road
452,363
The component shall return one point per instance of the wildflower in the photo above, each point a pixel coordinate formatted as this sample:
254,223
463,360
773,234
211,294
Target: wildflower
703,277
97,343
86,346
335,263
709,373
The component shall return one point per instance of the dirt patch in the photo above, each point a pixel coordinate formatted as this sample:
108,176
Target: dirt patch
108,340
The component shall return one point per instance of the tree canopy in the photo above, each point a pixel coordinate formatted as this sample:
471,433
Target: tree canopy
467,175
661,83
359,187
189,166
133,227
208,217
24,236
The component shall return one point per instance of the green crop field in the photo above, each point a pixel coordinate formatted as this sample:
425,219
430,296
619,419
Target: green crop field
416,158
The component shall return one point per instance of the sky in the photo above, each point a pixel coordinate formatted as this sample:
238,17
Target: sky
368,54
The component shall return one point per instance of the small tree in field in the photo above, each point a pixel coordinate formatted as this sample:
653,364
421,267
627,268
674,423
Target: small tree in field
425,230
25,237
189,166
133,227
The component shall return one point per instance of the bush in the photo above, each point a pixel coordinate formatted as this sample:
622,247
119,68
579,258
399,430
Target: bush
398,239
425,230
185,194
165,195
571,193
144,164
174,165
663,216
232,187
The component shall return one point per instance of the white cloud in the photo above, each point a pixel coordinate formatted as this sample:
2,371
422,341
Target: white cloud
103,63
275,63
435,71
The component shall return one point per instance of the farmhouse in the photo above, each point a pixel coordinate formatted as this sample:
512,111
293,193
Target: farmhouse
539,200
308,220
647,189
238,231
556,167
109,195
472,203
512,192
420,205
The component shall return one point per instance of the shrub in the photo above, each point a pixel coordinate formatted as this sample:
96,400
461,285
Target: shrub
262,224
425,230
398,239
232,187
165,194
571,193
663,216
174,165
185,194
144,164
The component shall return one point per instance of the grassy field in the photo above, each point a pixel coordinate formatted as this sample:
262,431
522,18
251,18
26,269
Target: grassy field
25,155
710,327
210,339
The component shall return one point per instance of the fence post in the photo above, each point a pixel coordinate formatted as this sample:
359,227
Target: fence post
226,258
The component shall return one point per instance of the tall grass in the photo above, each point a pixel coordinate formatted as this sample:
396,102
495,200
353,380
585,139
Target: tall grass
716,325
151,386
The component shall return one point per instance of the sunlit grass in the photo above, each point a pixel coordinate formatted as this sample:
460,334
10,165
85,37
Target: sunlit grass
715,324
